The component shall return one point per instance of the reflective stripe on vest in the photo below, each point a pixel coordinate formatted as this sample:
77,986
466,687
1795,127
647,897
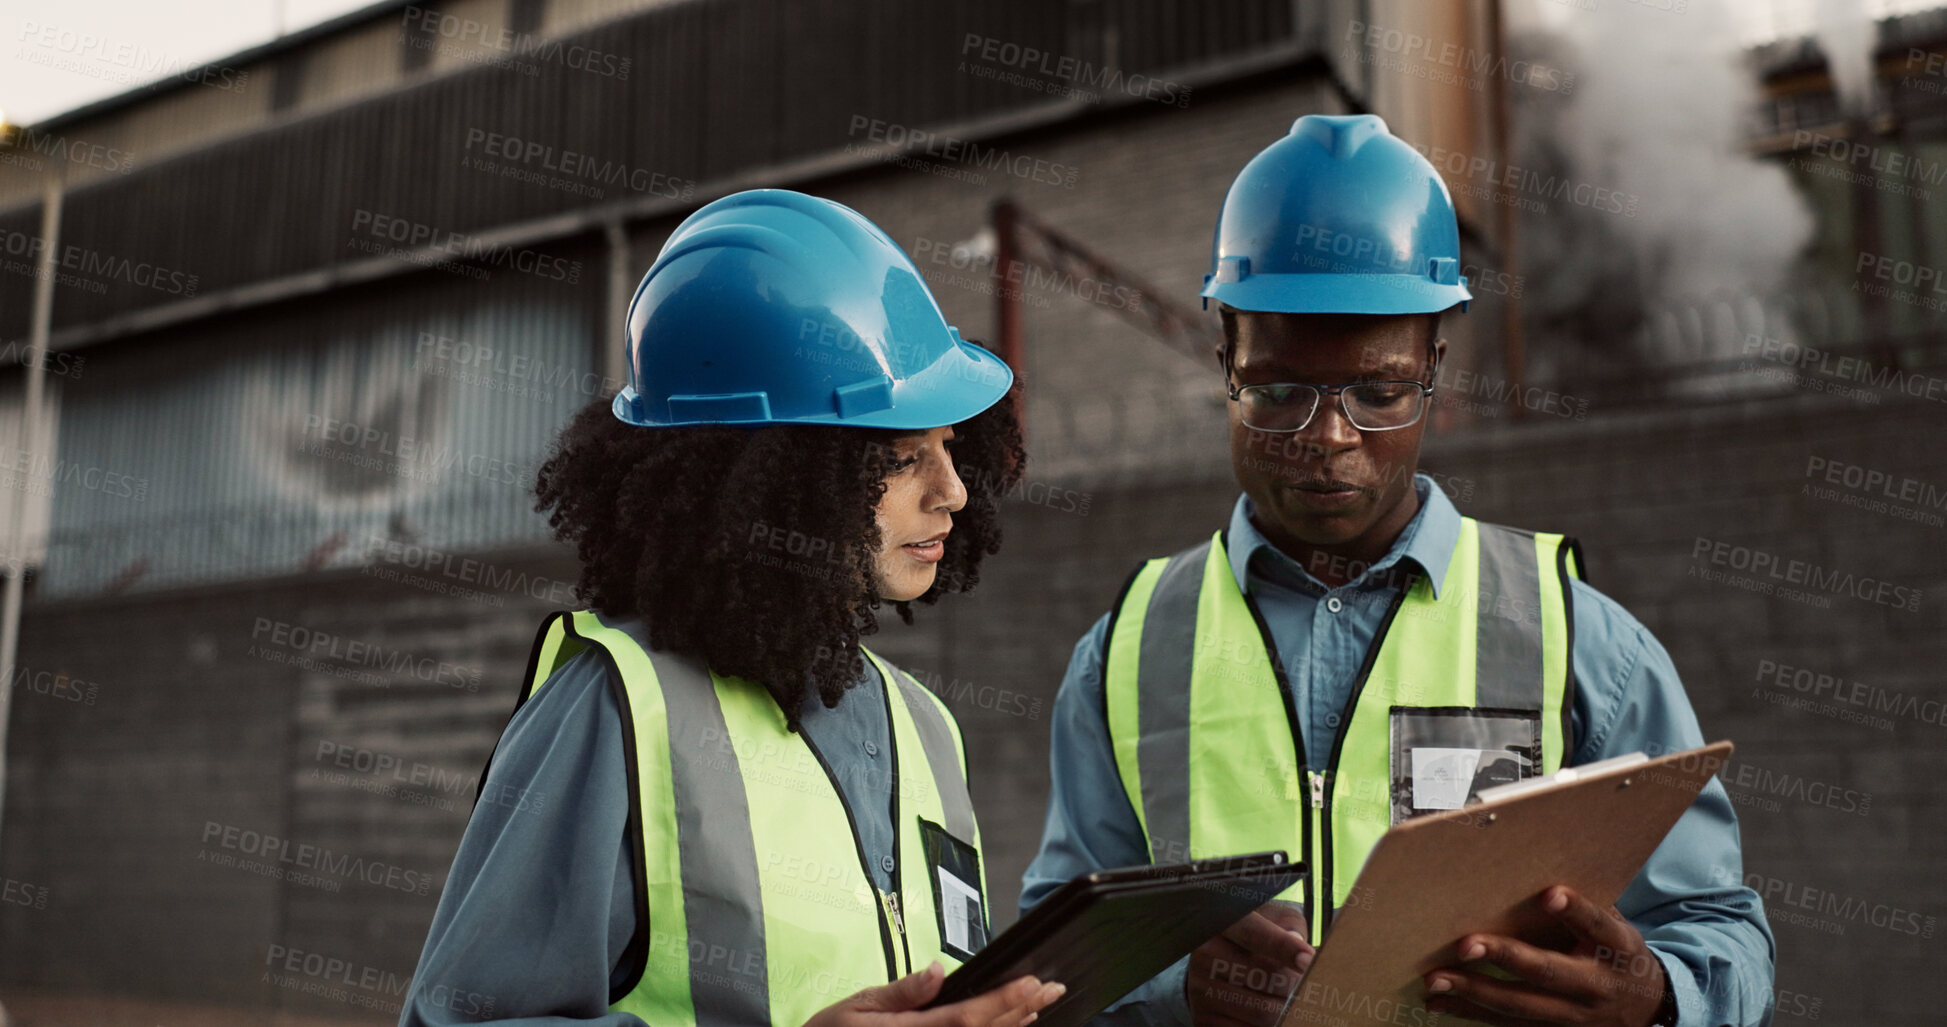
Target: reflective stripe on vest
1204,729
754,893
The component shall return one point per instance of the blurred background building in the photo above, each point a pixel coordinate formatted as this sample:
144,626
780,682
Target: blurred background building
321,305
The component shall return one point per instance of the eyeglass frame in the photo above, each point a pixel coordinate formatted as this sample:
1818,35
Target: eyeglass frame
1338,391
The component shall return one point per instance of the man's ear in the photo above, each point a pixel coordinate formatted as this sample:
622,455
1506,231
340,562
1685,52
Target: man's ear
1228,316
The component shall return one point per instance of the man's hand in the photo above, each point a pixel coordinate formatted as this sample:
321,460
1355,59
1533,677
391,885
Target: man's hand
1610,978
1243,976
1014,1004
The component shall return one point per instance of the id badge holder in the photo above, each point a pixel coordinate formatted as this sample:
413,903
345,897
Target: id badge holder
1442,756
953,869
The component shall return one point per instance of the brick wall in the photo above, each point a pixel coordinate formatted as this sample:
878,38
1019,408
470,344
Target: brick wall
1833,802
1834,811
190,724
331,728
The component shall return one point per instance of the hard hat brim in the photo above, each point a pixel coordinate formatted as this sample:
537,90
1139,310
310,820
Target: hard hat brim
1338,294
953,388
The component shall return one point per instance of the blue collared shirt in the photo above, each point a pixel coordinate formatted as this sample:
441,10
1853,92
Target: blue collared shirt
1688,901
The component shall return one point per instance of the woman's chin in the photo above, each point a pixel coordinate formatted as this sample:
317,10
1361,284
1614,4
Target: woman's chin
907,585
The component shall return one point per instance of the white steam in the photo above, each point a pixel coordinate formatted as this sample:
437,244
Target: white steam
1846,33
1660,112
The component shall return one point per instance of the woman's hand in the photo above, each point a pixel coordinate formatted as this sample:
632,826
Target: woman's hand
1014,1004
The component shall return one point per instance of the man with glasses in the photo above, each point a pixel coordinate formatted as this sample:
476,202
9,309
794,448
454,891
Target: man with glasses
1350,651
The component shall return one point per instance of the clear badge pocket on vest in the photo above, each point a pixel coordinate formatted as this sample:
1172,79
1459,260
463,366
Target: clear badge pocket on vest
1442,756
953,869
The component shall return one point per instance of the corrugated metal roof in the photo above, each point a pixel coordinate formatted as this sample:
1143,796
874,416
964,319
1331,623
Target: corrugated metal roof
257,438
710,90
310,435
30,476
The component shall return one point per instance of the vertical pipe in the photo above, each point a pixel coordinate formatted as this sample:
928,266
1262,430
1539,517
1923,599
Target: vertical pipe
610,360
30,424
1869,236
1515,347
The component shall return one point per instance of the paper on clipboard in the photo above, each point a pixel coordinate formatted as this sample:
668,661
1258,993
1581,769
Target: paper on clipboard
1435,878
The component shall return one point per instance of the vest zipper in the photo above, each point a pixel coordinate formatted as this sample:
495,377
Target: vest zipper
898,816
1315,825
899,924
885,930
1323,795
1306,828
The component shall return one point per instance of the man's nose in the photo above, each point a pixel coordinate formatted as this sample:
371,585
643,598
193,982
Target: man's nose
1330,431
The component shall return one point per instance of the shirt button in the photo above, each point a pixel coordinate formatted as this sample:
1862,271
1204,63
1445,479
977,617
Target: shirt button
886,864
872,748
1333,604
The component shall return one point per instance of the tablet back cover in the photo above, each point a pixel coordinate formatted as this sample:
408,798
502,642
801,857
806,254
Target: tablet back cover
1120,934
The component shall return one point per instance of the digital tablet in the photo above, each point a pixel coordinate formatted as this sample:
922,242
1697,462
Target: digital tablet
1104,933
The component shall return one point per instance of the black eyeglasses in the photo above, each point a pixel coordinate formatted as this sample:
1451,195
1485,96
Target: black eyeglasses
1369,406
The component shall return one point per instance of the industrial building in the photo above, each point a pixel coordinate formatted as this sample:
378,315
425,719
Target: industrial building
322,305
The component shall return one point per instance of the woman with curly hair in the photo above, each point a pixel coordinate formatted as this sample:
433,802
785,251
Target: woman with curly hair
713,804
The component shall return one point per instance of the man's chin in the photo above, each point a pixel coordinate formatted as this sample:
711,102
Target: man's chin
1323,520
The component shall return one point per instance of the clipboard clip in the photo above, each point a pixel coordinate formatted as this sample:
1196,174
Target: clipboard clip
1562,776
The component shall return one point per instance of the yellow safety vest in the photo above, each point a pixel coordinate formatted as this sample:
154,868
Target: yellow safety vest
753,893
1456,693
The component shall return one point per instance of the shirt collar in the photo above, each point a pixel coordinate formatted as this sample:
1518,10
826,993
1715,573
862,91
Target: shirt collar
1428,542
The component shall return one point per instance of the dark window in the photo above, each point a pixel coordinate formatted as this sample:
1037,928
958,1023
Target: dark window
418,34
288,82
524,16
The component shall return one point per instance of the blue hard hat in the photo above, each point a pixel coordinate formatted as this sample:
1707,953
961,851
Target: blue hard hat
773,307
1338,217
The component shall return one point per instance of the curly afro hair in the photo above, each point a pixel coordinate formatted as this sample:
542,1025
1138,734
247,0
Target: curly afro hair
753,549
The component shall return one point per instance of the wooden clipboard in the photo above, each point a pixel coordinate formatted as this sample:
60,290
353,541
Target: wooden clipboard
1435,878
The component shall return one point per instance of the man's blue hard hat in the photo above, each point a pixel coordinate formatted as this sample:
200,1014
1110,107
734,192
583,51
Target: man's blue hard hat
773,307
1338,217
